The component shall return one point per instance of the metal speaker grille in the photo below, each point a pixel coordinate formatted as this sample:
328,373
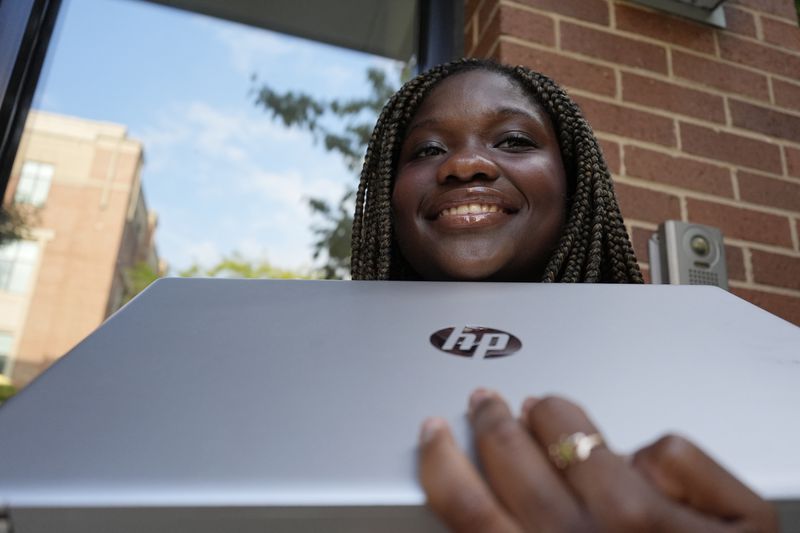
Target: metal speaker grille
702,277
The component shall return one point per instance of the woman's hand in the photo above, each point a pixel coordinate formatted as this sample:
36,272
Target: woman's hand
670,485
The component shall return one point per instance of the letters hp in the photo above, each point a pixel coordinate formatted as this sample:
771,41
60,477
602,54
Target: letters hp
482,343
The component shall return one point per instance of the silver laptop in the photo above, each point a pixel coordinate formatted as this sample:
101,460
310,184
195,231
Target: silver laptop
294,406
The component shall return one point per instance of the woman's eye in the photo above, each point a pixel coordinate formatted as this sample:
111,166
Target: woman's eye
428,150
516,142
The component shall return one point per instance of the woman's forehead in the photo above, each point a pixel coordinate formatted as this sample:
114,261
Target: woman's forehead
476,91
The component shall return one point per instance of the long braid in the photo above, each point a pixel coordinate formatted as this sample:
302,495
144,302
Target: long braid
594,245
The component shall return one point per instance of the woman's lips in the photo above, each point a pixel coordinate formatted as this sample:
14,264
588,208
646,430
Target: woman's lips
470,209
471,220
472,203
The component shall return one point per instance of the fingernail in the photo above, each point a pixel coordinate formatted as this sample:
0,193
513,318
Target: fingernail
477,398
527,405
430,427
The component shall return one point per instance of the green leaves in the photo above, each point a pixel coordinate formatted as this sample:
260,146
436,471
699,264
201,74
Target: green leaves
137,278
333,235
344,127
15,222
236,266
6,391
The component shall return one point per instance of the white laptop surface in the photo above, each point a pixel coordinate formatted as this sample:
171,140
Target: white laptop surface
254,405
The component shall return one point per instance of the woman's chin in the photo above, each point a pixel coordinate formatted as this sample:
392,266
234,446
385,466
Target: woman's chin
475,271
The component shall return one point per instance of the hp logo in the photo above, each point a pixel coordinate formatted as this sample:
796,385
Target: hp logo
478,342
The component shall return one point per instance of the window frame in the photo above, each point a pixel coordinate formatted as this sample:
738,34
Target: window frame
36,180
14,261
26,27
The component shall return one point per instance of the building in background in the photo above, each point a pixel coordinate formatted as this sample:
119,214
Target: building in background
79,181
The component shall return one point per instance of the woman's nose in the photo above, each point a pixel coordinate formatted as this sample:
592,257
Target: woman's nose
467,165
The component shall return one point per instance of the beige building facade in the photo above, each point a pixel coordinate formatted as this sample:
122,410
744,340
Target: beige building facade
79,181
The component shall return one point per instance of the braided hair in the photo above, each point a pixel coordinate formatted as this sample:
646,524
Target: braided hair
594,245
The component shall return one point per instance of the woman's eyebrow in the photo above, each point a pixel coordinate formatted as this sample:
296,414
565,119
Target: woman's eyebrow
422,124
517,112
505,111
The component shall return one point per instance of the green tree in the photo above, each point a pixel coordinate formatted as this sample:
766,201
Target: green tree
343,127
14,223
236,266
137,278
7,390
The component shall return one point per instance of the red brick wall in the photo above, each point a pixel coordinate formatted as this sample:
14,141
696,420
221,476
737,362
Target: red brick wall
697,124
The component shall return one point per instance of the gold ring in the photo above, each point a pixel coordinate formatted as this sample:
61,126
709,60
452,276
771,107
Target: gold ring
574,448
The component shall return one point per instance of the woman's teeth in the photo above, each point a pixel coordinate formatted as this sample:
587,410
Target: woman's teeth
471,209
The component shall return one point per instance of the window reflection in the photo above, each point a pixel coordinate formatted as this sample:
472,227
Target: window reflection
17,261
34,183
140,161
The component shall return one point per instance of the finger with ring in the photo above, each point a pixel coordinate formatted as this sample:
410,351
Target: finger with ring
573,448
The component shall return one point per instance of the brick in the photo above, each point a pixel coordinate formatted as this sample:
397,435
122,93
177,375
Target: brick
729,147
589,10
781,33
613,48
786,94
485,46
797,229
741,223
781,8
719,75
776,269
654,93
645,274
487,37
526,25
739,21
632,123
639,239
786,307
647,205
486,16
792,160
678,171
734,260
663,27
773,192
758,56
469,8
765,120
565,70
611,155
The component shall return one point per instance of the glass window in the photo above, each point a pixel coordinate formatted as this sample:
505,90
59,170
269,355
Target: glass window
17,261
174,157
34,183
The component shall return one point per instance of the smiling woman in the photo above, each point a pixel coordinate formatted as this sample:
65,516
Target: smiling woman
478,171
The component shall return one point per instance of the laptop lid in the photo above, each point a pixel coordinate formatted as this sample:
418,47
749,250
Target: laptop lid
285,402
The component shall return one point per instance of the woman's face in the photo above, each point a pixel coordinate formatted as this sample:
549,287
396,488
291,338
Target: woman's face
480,188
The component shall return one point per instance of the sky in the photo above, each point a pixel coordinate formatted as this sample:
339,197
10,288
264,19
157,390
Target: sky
222,176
